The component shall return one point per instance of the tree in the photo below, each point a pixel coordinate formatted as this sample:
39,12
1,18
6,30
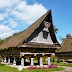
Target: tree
58,60
56,30
1,41
53,59
14,34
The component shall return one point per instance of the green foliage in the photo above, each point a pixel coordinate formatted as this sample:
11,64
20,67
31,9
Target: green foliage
1,41
58,60
44,59
53,59
15,34
0,59
56,30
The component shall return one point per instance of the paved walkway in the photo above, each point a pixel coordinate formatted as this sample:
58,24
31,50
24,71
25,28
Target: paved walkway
66,69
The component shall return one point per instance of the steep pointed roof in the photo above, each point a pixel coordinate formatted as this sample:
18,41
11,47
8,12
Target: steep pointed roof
66,45
17,40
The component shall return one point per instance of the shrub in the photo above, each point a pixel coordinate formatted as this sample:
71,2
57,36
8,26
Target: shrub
58,60
53,58
0,59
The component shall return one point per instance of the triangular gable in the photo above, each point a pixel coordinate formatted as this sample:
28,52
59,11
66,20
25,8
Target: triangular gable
41,34
51,38
18,39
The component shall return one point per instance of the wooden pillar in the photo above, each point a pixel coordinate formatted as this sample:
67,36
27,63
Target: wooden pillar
32,63
63,59
5,59
18,60
8,60
11,59
41,63
49,63
22,61
14,62
38,61
2,59
30,60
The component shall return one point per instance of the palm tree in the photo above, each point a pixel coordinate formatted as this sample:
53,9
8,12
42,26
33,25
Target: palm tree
56,30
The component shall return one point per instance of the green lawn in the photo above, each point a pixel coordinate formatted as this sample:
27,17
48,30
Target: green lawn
60,64
44,70
65,64
4,68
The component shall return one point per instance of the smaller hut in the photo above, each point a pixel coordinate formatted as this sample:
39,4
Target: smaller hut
65,53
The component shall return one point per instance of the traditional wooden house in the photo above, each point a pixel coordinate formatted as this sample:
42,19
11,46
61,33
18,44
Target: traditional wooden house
65,53
38,40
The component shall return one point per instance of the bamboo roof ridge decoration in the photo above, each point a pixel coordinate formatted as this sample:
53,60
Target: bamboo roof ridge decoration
68,35
17,40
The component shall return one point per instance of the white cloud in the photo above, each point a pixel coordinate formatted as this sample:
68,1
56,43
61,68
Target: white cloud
3,16
19,10
7,3
28,13
5,31
21,6
11,23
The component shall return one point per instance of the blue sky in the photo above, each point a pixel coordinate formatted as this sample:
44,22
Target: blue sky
17,15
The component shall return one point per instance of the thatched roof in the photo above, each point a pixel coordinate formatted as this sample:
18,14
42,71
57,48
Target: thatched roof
17,40
66,45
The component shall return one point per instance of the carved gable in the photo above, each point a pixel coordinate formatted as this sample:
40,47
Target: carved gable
41,34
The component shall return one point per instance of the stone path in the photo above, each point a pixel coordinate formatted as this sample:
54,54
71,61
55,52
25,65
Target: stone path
66,69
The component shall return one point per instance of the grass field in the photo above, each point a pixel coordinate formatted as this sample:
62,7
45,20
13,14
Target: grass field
65,64
60,64
4,68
